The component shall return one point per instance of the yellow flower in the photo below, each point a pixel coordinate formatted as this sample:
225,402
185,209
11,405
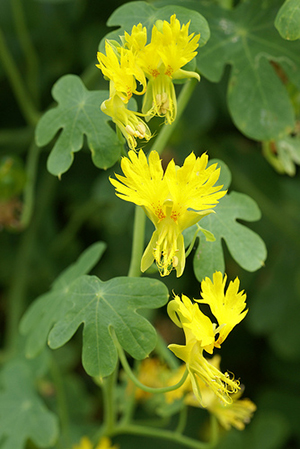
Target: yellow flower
120,67
236,414
171,48
173,201
129,122
200,334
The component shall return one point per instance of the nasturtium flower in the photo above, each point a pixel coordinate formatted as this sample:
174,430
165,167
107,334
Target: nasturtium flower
119,65
171,47
174,201
236,414
201,334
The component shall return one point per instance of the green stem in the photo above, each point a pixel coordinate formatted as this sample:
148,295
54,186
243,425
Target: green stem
167,130
27,46
182,420
214,430
170,435
165,353
27,107
61,399
137,243
132,377
129,400
29,191
109,402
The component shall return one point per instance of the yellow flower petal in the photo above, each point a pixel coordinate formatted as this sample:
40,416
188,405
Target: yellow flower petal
196,325
228,308
122,69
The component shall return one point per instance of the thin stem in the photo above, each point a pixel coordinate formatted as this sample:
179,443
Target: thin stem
27,46
132,377
61,399
27,107
165,353
29,191
182,420
129,401
137,243
169,435
167,130
109,401
214,430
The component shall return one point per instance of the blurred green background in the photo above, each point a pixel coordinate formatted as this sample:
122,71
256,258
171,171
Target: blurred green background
81,208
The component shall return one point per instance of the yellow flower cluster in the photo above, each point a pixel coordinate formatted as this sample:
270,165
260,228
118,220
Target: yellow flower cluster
202,334
173,200
130,64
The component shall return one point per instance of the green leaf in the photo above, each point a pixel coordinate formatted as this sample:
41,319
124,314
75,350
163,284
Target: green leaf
245,246
133,13
23,415
41,315
102,306
246,39
77,115
288,20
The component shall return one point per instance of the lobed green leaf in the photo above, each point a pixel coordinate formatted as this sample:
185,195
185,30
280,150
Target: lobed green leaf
76,299
77,115
47,309
100,306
